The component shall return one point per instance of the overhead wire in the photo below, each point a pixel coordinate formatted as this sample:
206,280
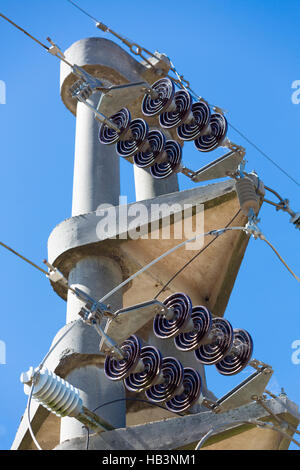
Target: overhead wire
29,418
263,153
192,259
25,32
23,258
280,257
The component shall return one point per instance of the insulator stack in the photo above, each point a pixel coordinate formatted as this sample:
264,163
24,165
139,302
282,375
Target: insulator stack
247,195
168,381
53,392
217,344
154,151
152,362
188,393
178,319
119,369
199,120
109,136
214,135
135,139
165,90
202,322
239,355
179,112
170,161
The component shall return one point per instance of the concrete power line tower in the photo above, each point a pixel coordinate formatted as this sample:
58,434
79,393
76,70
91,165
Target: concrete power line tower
96,261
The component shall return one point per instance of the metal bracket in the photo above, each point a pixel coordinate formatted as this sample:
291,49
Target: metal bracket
221,167
119,96
94,311
254,385
129,320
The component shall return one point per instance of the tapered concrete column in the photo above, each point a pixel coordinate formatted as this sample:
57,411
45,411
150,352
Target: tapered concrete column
96,276
96,181
96,166
147,187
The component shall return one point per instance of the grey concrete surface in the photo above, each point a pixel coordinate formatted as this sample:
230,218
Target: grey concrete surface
95,276
180,432
96,166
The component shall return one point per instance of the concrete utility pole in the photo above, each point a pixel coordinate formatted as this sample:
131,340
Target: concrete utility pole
97,181
96,264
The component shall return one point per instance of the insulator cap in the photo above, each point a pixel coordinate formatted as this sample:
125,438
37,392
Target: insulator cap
201,117
219,127
247,195
148,158
214,352
192,387
172,371
182,307
239,356
171,164
202,320
119,369
166,90
170,119
129,147
140,381
107,135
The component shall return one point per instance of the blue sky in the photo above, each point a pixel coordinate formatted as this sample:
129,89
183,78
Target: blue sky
242,56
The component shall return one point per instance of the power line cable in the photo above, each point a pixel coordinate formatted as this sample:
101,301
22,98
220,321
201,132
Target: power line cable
25,32
192,259
83,11
280,257
263,153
